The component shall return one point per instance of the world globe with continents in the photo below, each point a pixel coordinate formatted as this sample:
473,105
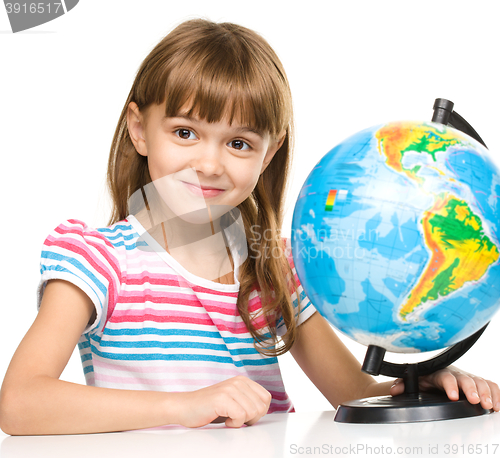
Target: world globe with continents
395,236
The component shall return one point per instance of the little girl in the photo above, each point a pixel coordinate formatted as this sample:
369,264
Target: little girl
182,304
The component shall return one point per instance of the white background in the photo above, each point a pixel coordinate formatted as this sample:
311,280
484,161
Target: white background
351,65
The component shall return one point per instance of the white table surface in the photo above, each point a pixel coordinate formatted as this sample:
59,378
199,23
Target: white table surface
274,436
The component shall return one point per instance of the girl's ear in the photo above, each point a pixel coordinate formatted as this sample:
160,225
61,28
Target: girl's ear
135,124
274,147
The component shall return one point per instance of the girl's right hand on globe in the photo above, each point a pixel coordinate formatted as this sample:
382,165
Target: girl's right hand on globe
236,401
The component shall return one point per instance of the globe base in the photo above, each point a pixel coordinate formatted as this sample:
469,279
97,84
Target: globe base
407,408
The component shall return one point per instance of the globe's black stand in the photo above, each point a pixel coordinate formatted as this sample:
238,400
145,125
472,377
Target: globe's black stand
412,406
444,114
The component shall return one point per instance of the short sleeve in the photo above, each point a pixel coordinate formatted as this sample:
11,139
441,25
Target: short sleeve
306,308
83,256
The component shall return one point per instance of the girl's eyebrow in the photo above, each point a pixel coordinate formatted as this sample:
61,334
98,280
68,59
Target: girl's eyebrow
239,128
250,129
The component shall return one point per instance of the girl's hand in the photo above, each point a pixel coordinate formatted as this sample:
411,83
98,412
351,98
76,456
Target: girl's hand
235,401
451,379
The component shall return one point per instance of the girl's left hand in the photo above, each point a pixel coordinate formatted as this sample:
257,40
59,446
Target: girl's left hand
451,379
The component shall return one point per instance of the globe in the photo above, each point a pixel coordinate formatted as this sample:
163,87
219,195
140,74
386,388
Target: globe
395,236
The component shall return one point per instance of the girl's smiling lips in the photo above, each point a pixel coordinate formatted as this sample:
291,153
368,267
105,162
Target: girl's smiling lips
205,191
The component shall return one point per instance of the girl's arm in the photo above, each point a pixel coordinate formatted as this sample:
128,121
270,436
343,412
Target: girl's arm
34,401
337,373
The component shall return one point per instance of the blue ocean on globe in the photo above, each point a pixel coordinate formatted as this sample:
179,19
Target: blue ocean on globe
395,236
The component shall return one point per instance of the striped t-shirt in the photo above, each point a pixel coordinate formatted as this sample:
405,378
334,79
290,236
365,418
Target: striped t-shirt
158,326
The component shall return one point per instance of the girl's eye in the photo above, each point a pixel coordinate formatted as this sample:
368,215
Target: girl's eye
239,145
185,134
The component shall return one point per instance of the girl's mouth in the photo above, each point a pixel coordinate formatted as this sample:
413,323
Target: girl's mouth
206,193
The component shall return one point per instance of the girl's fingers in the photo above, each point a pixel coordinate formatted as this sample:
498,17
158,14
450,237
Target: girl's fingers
448,382
495,395
257,400
249,402
452,380
262,393
397,387
235,414
484,392
476,389
481,392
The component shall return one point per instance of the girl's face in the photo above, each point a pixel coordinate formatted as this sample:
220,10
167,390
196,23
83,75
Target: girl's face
188,155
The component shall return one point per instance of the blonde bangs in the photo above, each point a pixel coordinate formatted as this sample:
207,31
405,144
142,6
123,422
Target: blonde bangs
224,95
223,79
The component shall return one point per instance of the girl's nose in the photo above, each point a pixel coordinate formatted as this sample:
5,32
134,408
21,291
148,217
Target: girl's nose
209,160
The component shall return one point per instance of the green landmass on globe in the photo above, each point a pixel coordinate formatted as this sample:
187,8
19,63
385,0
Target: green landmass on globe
424,201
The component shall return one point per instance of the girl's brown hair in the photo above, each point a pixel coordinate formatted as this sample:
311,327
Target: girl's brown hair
224,70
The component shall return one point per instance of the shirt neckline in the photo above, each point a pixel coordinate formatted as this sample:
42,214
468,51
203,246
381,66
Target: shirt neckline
179,268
